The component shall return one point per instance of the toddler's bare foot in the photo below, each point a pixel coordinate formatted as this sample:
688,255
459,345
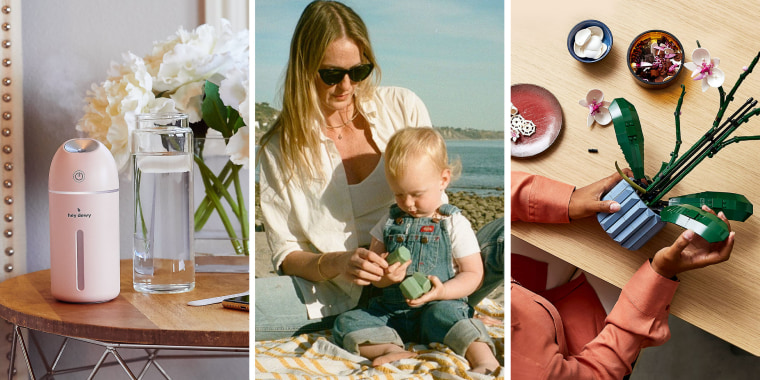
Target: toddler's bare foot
392,356
484,369
481,358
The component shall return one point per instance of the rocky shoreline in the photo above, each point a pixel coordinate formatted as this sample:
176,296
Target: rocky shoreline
479,210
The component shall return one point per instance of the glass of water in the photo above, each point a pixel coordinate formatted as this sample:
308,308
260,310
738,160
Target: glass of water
163,261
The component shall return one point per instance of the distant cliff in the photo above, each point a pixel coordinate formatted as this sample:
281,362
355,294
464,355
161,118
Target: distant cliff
451,133
266,115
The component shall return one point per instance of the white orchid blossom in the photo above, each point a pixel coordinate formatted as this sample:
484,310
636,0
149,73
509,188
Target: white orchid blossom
597,107
705,68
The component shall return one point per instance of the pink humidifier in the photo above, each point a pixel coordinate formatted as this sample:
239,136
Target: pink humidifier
84,223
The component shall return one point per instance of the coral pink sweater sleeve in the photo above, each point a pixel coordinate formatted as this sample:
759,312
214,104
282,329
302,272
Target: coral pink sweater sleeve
639,318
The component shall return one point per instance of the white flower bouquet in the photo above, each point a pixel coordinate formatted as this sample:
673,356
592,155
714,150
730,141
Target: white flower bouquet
203,73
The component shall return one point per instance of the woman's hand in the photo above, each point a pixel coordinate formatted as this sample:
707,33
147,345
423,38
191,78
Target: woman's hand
436,292
363,266
586,200
691,251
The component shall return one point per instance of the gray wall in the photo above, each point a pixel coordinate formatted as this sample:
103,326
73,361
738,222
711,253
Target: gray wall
67,46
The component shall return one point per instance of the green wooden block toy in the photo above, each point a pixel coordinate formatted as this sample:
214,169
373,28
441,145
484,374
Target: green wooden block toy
415,286
400,255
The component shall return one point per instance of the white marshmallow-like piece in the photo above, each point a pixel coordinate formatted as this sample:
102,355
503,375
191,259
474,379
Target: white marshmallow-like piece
588,43
582,36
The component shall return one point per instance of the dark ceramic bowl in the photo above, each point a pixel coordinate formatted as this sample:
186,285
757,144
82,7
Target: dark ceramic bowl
606,39
655,70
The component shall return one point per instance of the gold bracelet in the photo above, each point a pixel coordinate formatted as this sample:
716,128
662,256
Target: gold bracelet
319,262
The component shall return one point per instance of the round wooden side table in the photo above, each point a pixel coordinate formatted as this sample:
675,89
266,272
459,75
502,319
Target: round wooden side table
131,320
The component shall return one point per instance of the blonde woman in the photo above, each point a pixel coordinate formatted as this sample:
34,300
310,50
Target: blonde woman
322,183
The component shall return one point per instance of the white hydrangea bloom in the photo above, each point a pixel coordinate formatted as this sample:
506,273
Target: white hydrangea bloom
237,148
233,91
169,79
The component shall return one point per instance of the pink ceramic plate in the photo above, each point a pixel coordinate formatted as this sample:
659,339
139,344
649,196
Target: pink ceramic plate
541,106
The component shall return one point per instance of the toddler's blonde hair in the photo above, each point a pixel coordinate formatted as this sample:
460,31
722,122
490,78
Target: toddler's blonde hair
410,143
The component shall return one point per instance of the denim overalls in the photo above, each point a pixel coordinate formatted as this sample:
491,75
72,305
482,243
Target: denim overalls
389,319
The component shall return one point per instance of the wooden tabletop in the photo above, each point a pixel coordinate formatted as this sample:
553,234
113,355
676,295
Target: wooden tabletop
723,299
132,317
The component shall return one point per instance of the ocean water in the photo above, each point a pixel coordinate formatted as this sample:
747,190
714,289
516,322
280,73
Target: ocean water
482,166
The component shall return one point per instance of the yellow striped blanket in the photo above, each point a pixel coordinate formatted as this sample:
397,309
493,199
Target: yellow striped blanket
314,356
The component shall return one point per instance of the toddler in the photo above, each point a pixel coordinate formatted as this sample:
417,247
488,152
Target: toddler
442,245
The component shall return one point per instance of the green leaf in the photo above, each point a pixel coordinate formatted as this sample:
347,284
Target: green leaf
213,110
235,121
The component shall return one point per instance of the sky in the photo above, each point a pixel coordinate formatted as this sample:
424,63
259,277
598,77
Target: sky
449,52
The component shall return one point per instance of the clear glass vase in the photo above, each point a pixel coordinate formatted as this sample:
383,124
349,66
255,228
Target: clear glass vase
162,154
221,192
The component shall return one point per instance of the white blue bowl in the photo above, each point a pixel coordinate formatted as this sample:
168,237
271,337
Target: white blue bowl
606,39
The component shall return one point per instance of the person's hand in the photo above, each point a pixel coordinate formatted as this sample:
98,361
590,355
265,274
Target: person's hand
364,266
691,251
436,292
396,272
586,200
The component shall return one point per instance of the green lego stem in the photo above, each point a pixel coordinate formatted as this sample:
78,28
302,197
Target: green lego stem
707,151
677,114
630,182
711,150
737,139
725,100
665,181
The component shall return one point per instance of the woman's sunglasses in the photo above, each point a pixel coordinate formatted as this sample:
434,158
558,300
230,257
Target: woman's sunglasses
357,74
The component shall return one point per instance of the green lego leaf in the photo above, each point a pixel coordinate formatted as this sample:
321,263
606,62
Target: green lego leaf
629,135
734,206
703,223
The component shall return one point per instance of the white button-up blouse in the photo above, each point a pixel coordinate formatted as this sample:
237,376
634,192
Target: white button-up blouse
319,217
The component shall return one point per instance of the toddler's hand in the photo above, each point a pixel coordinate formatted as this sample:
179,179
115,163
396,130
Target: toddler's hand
437,292
396,272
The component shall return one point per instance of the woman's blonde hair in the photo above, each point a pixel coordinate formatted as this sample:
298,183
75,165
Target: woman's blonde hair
411,143
321,23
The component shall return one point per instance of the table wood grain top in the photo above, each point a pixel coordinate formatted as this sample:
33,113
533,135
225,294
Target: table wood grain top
723,299
132,317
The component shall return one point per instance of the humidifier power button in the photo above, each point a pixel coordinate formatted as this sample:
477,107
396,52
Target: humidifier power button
78,176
